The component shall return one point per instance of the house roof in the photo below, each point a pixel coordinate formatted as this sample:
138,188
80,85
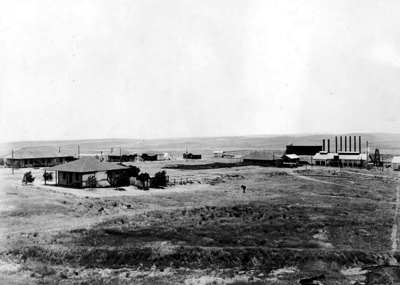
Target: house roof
258,156
86,165
219,151
38,152
325,156
152,153
122,152
292,156
396,159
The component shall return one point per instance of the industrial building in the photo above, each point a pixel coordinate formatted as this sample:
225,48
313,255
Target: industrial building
343,155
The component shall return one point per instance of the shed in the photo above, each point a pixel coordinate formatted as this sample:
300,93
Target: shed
153,156
191,156
396,162
121,155
218,153
76,173
37,157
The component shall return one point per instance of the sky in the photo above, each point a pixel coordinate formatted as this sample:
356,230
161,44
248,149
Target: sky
181,68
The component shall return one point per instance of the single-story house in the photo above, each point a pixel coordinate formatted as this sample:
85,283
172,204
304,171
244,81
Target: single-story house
290,160
37,157
191,156
76,173
155,156
121,155
396,162
219,153
259,158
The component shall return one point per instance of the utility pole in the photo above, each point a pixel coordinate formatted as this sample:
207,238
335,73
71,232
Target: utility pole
12,161
78,151
367,154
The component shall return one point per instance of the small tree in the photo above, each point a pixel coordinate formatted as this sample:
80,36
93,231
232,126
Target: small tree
143,177
91,181
1,161
48,176
133,171
160,179
28,178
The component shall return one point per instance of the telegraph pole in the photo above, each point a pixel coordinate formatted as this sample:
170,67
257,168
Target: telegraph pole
78,151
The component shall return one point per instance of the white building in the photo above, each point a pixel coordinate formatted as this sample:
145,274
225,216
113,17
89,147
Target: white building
396,162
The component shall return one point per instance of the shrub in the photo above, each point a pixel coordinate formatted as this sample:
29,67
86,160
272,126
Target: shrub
160,179
91,181
48,176
143,177
28,178
1,161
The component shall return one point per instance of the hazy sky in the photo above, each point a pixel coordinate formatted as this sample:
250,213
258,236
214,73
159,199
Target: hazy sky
154,69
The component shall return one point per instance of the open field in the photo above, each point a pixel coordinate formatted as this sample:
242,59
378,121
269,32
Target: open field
338,225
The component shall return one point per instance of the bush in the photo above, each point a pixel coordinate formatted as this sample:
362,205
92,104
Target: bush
160,179
2,161
28,178
48,176
143,177
91,181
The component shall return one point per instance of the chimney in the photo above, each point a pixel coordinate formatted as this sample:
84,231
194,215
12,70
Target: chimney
350,143
335,144
359,144
341,143
329,146
323,145
355,143
345,143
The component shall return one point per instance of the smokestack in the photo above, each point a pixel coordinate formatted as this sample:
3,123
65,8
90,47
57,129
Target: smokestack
329,146
355,143
335,144
341,143
323,145
345,143
350,143
359,144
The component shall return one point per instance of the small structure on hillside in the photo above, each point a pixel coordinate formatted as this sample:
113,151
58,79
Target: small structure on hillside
396,162
191,156
37,157
219,153
259,158
155,156
76,173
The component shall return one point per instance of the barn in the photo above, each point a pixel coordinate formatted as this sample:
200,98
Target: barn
76,173
259,158
37,157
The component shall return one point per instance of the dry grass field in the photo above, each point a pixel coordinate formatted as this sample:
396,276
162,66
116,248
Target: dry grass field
338,226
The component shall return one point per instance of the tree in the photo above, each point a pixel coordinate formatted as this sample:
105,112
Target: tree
133,171
91,181
1,161
143,177
28,178
48,176
160,179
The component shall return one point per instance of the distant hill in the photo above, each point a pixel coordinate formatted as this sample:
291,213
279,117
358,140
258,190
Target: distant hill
386,143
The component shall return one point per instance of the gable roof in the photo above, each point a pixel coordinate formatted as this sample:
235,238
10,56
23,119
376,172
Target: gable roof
258,156
38,152
292,156
122,152
85,165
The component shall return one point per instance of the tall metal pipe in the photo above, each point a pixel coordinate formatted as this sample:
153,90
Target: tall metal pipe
355,143
335,144
323,145
350,143
359,144
341,149
345,143
329,146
